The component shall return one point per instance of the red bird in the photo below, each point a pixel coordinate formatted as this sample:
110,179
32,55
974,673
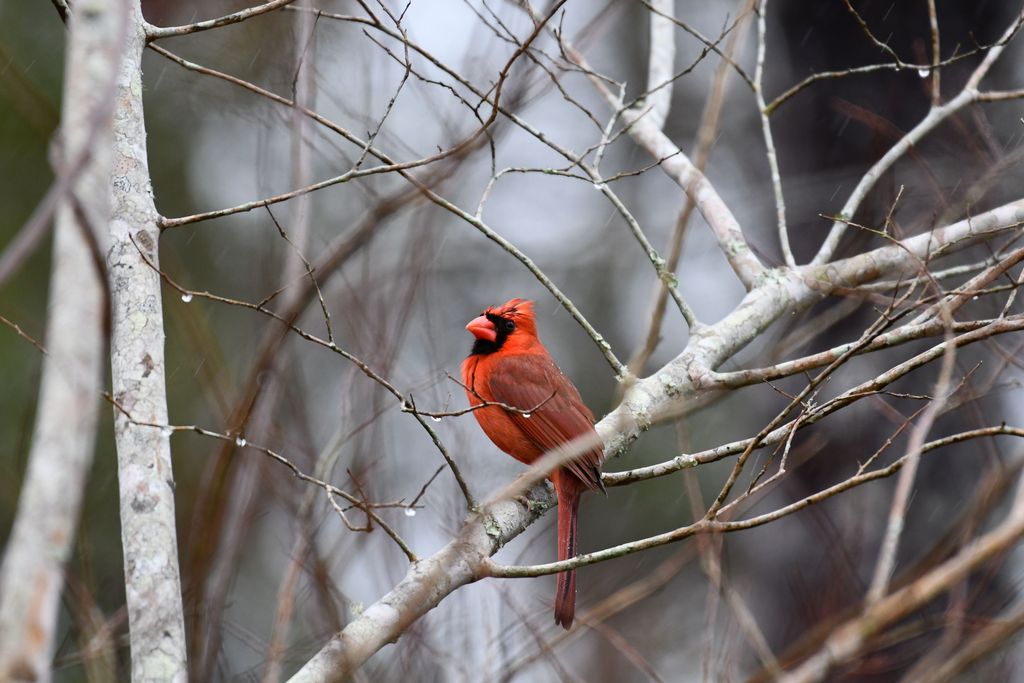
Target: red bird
509,365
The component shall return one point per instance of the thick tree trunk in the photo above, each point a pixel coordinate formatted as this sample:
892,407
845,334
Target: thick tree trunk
148,535
32,575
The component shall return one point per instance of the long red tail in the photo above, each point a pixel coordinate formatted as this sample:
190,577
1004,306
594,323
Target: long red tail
568,506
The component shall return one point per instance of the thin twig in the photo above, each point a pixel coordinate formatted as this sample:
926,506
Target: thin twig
24,335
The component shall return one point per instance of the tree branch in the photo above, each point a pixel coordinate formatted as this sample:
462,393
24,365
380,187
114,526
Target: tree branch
32,574
157,32
145,475
661,62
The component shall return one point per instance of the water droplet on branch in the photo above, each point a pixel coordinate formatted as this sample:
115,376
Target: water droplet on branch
409,512
435,418
924,73
527,415
186,297
240,441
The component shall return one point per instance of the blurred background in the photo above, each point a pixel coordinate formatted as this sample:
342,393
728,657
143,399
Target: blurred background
404,278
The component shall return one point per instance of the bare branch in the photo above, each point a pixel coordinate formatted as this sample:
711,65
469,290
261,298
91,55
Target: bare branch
157,32
905,483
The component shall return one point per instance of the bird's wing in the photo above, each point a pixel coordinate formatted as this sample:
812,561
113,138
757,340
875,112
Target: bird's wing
557,413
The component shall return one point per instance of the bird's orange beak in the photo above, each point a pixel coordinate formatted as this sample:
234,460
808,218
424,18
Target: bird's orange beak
482,328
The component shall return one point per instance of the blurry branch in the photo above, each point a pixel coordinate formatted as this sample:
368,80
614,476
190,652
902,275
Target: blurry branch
1000,95
769,141
1017,282
145,472
623,598
352,174
62,9
706,135
304,540
626,649
710,547
66,172
905,484
98,638
31,234
952,301
661,62
850,638
32,572
726,56
933,22
367,145
157,32
936,115
665,276
311,273
993,635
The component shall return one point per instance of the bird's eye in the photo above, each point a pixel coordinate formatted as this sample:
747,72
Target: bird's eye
508,325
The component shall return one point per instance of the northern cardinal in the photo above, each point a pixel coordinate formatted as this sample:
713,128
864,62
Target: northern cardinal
509,365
